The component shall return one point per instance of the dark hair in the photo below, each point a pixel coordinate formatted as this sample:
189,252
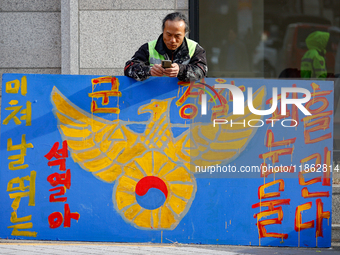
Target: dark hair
178,17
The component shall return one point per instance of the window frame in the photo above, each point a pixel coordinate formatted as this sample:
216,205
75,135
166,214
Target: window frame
194,20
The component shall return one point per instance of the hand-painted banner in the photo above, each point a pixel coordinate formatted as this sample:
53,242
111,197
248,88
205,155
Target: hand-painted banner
92,158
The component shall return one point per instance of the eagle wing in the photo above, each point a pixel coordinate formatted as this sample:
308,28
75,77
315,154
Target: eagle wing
99,146
206,145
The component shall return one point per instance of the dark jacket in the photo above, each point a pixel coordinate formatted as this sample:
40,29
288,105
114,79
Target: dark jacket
138,67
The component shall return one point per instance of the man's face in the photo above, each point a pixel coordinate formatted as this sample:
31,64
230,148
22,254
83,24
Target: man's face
173,33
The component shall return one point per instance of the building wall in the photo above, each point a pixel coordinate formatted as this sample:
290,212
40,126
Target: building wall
77,36
30,36
111,31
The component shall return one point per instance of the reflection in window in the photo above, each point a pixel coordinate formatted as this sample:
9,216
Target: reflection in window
264,38
267,38
230,31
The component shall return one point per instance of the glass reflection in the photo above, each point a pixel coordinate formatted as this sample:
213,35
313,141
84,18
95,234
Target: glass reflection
274,39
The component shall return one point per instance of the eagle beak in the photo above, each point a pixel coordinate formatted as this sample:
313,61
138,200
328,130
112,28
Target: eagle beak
144,109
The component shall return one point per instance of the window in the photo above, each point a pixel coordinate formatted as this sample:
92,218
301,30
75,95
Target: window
261,38
266,39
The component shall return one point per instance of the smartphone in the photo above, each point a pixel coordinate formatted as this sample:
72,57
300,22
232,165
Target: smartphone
166,63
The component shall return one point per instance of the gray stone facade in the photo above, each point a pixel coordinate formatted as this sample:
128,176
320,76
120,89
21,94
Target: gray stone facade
77,36
30,36
111,31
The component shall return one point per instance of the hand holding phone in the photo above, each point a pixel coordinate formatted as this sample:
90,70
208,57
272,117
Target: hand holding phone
166,63
172,71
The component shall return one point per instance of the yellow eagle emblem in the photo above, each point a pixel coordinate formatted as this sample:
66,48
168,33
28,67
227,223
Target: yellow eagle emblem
153,171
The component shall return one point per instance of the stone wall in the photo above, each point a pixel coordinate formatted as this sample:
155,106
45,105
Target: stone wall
77,36
110,31
30,36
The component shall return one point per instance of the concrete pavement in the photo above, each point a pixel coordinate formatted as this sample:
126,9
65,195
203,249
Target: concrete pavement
64,248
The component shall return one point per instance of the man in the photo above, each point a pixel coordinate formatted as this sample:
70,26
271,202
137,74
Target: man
313,63
188,57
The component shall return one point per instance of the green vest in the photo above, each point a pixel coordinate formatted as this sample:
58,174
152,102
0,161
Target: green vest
313,65
156,58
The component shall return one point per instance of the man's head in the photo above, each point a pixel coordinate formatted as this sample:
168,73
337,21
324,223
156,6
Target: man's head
175,26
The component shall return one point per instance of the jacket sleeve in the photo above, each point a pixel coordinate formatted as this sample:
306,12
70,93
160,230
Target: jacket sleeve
197,67
138,67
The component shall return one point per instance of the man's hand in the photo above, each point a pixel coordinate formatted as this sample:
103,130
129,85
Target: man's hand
157,70
172,71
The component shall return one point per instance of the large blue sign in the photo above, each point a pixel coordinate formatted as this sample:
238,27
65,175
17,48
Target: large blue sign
92,158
